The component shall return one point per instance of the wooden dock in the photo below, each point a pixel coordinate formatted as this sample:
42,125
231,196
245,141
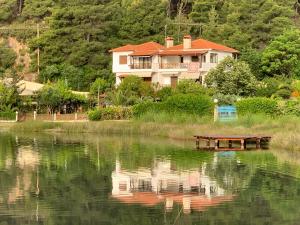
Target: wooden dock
242,140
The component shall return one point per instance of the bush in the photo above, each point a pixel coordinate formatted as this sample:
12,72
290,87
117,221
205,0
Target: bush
226,99
110,113
284,91
7,115
164,93
257,105
190,87
147,106
291,108
189,103
268,87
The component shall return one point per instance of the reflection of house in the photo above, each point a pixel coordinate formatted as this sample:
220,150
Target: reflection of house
193,189
167,64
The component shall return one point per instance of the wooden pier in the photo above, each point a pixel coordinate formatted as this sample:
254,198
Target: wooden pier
242,141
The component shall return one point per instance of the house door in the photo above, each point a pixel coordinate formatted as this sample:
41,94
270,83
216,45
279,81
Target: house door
174,81
148,80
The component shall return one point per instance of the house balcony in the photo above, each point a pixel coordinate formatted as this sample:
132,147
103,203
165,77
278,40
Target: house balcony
141,66
173,66
192,67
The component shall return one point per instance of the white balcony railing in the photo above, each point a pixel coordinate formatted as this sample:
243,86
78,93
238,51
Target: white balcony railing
140,66
190,67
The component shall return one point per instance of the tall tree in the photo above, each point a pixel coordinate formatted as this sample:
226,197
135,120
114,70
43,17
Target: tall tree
282,56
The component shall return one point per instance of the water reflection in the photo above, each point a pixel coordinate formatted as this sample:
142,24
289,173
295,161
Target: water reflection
129,180
163,183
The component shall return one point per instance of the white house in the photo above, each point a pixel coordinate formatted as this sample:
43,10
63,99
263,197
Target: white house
167,64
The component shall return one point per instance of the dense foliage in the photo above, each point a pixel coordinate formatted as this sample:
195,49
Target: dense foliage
76,36
232,77
200,105
110,113
257,106
58,97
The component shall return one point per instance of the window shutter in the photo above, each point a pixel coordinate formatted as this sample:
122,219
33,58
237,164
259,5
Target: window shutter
123,59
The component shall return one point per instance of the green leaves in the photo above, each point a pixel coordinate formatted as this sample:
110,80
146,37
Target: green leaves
232,77
282,56
257,106
54,96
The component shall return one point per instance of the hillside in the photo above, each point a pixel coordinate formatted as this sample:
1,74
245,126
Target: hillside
75,35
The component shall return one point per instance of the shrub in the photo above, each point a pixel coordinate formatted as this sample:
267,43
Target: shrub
267,87
284,91
110,113
7,115
164,93
147,106
257,105
291,108
190,87
189,103
226,99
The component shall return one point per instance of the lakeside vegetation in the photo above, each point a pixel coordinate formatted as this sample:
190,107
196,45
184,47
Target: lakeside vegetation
284,130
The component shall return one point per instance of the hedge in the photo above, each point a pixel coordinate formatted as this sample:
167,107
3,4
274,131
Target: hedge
182,103
110,113
7,115
257,105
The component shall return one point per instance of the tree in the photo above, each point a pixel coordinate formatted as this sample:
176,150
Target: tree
253,58
232,77
55,96
10,91
7,58
281,57
201,9
8,9
99,86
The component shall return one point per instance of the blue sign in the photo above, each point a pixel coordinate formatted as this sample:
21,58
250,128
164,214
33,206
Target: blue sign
226,113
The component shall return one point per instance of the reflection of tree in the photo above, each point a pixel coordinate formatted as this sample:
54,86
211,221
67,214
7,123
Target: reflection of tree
75,184
229,173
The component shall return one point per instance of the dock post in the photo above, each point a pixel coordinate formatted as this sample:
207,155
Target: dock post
217,144
208,144
198,143
243,144
230,144
258,143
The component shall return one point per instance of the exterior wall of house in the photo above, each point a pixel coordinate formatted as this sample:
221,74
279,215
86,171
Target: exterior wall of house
221,56
117,68
163,75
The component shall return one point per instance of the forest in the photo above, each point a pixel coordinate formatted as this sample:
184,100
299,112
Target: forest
76,35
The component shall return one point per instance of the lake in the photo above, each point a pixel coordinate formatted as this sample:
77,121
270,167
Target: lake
70,180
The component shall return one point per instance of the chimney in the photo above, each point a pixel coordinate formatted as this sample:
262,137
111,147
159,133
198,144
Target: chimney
169,42
187,42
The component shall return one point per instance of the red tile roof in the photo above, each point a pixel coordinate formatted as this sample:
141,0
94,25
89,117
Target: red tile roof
204,44
152,48
148,48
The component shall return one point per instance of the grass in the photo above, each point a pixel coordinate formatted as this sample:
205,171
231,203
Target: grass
285,130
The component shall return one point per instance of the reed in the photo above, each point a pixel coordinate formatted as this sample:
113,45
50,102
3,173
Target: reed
285,130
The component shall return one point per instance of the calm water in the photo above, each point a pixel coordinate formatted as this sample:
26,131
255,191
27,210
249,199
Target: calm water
136,181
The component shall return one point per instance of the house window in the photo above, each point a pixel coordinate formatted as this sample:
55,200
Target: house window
213,58
142,62
195,58
123,59
204,58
